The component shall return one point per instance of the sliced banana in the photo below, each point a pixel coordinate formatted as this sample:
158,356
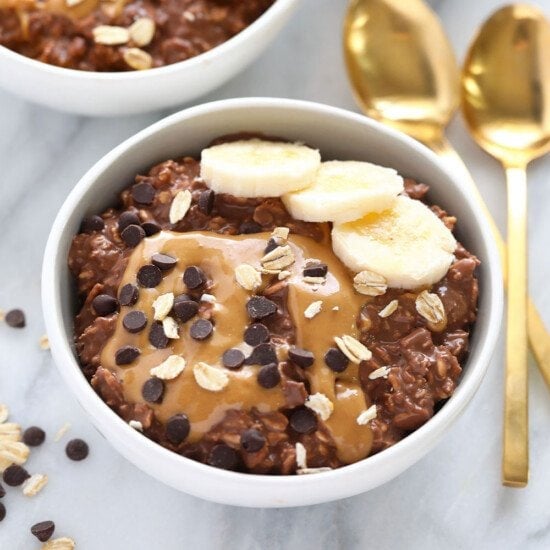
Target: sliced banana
257,168
407,244
344,191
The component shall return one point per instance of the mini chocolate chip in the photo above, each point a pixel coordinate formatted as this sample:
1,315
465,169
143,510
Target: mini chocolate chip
303,420
91,224
143,193
206,201
201,329
2,511
223,456
250,227
149,276
256,334
34,436
126,355
272,244
135,321
15,475
133,235
301,357
252,440
77,449
233,358
151,228
164,261
336,360
157,336
126,219
262,355
15,318
153,390
2,491
316,270
43,530
269,376
177,428
185,308
103,305
260,307
193,277
128,295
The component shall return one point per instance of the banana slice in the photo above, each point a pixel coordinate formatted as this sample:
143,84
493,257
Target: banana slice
344,191
257,168
406,244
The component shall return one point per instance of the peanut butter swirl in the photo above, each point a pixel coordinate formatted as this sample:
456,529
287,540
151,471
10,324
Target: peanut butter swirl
218,256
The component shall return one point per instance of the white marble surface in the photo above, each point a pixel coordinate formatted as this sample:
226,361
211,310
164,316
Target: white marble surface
451,499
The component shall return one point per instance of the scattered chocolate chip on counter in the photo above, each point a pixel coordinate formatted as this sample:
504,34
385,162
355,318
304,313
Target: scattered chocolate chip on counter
15,318
43,530
2,511
34,436
15,475
77,449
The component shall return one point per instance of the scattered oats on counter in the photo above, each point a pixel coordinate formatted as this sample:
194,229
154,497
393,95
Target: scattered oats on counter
62,431
4,413
34,484
44,342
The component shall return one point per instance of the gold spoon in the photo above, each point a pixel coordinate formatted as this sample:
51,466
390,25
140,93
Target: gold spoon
506,104
404,74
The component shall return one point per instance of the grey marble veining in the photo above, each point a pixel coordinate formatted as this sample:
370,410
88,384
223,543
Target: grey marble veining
451,499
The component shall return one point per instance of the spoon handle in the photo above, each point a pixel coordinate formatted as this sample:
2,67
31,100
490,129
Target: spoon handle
515,459
539,338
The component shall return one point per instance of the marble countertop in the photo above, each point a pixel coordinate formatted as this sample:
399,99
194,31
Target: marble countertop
451,499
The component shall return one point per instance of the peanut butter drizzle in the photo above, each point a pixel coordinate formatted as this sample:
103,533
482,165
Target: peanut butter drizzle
218,256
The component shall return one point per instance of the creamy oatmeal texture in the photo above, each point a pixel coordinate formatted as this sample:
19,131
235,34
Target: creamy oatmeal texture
241,369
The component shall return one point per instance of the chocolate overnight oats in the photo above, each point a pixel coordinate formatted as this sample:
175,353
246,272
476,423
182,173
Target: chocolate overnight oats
121,35
262,311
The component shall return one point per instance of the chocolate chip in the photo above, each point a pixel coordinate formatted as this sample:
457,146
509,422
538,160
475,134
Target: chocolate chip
126,355
77,449
157,336
126,219
34,436
2,511
15,475
103,304
262,355
128,295
133,235
15,318
256,334
206,201
301,357
260,307
272,244
303,420
336,360
153,390
143,193
201,329
91,224
269,376
316,270
185,308
177,428
193,277
250,227
151,228
252,441
43,530
164,261
223,456
2,491
233,358
149,276
135,321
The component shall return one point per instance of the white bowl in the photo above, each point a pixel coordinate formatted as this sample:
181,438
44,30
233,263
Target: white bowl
338,134
123,93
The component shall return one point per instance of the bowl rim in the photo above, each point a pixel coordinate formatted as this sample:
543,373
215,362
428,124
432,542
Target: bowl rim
99,411
207,57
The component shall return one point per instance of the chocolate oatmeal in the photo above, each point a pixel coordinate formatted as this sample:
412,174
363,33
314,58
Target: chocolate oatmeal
121,35
235,334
